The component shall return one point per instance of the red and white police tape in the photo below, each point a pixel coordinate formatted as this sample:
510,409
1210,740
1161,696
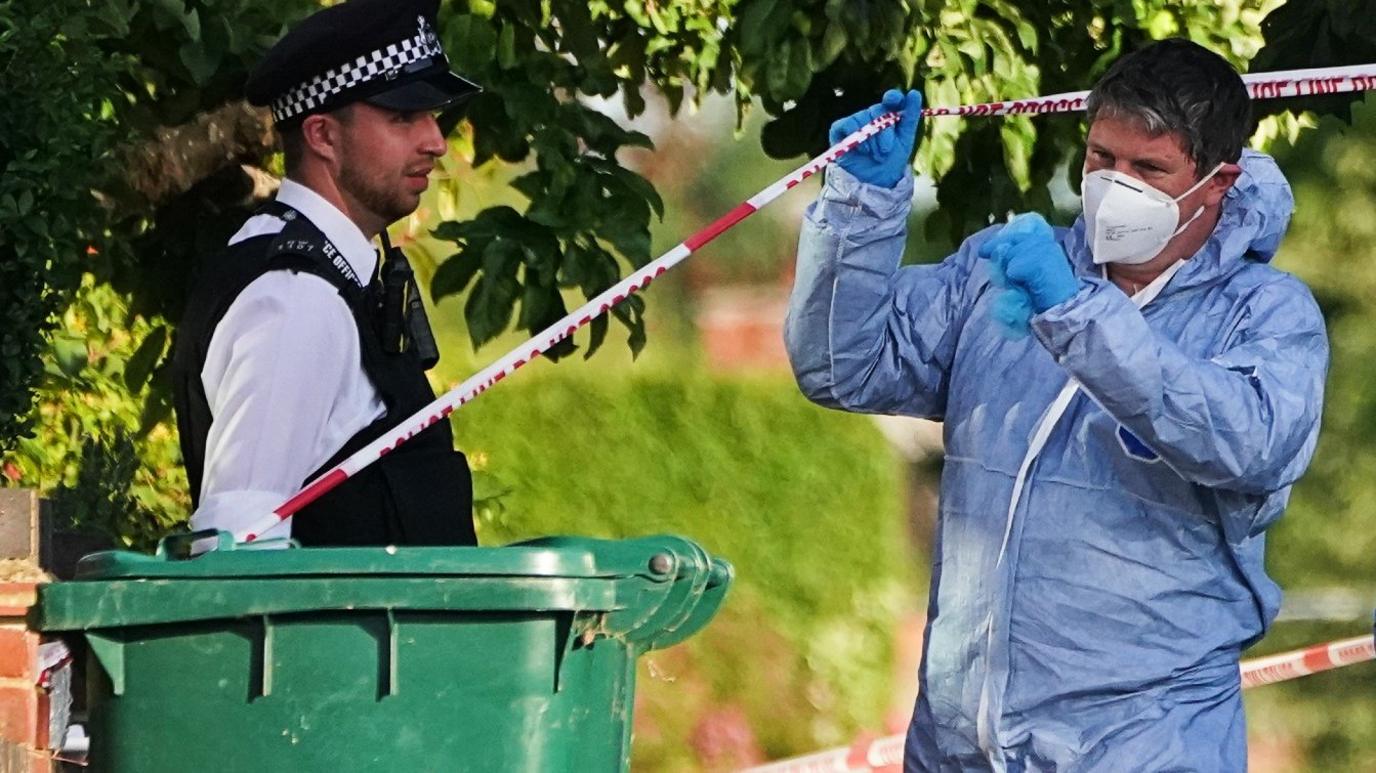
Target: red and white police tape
1262,85
883,755
1329,80
450,401
1311,660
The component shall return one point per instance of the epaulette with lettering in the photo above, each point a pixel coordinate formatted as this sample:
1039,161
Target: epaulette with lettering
301,237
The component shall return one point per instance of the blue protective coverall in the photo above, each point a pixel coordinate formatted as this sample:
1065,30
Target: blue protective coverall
1092,617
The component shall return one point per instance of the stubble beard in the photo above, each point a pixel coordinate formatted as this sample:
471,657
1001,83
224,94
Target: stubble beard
390,203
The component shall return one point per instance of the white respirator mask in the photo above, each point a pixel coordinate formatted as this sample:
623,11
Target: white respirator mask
1129,221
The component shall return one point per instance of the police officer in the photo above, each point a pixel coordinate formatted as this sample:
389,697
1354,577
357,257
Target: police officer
298,347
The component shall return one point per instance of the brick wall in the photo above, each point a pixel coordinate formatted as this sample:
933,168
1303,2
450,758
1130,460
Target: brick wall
23,705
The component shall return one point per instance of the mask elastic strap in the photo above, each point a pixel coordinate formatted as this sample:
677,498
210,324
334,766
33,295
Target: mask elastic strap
1192,189
1202,180
1186,224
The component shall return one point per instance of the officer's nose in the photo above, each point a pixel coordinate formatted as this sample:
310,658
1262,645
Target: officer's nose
432,139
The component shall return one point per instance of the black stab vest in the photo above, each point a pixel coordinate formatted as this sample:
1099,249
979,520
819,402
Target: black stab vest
420,493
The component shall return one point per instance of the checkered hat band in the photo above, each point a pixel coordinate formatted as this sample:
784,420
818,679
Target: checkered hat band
384,62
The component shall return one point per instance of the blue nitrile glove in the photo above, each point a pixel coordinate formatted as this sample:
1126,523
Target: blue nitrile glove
1031,268
882,159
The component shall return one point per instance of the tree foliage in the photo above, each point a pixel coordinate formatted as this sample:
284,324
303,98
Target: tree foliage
124,148
88,84
53,131
805,62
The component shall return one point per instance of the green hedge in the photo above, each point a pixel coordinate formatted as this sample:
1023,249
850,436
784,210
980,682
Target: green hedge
805,502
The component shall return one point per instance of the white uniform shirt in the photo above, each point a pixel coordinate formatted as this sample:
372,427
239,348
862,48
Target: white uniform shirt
284,378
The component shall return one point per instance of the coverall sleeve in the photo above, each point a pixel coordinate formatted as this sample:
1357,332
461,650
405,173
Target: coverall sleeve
862,333
1245,420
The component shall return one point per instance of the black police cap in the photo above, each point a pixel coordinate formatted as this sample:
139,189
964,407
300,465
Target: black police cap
384,52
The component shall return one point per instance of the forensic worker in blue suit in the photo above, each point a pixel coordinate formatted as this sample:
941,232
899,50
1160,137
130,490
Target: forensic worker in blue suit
1126,403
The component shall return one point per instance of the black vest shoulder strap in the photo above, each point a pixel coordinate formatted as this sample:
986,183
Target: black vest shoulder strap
300,245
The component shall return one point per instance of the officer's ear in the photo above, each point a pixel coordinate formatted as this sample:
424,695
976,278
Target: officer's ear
320,136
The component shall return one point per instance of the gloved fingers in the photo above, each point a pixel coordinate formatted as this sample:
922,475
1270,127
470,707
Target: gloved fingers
884,142
1033,257
996,273
1003,244
872,147
1027,228
843,127
1043,270
880,145
1012,309
912,118
1031,223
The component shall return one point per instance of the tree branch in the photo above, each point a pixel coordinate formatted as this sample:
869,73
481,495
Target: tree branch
179,157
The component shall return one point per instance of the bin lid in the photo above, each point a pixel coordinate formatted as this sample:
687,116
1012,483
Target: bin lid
648,592
573,557
636,582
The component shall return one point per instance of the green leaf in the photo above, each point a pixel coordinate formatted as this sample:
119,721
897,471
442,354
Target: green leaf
626,227
631,313
489,307
485,225
527,11
754,21
115,16
502,257
579,38
780,64
531,184
200,59
169,13
597,333
541,306
599,79
506,47
71,354
542,252
145,359
191,22
1162,24
156,410
639,186
471,41
799,71
453,275
529,102
833,43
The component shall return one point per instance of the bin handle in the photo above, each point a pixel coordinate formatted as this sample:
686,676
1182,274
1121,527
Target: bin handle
177,547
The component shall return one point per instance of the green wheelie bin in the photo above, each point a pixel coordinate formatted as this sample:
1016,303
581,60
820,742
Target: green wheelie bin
516,658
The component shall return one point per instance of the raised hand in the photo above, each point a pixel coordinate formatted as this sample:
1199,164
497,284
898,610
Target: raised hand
882,159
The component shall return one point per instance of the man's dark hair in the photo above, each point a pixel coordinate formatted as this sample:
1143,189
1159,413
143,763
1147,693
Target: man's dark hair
294,142
1178,86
